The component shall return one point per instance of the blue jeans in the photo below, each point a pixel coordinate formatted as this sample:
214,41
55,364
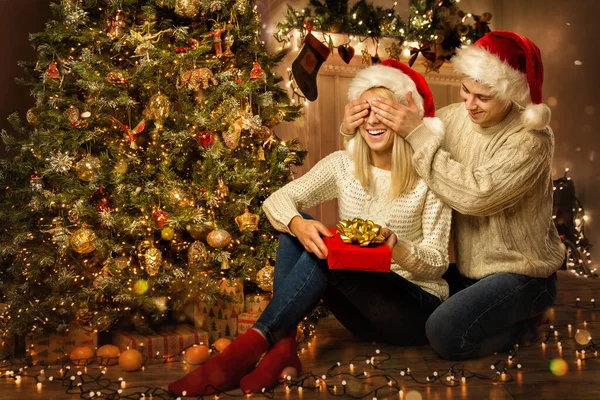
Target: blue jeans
374,306
485,316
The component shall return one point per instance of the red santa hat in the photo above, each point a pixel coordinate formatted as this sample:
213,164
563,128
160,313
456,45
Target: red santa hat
400,79
510,65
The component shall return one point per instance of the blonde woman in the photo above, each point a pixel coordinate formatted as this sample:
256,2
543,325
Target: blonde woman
373,179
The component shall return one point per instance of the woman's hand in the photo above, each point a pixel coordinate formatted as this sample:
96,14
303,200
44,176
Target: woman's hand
355,114
308,232
390,238
398,117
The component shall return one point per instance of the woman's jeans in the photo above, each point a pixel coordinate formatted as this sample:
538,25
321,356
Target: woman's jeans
485,316
374,306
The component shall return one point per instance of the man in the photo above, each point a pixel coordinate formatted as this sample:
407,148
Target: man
491,162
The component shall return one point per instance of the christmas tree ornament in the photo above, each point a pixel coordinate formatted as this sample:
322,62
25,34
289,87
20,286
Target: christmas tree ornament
197,254
222,190
61,162
36,182
104,205
101,200
257,72
116,78
218,238
218,30
167,233
197,354
247,221
117,26
52,72
199,231
228,40
161,217
73,215
205,139
232,136
108,355
60,235
32,117
187,8
306,66
131,134
88,168
260,154
82,355
196,79
120,168
264,277
393,51
122,262
83,316
131,360
263,133
152,260
141,286
83,241
225,264
144,245
346,52
158,109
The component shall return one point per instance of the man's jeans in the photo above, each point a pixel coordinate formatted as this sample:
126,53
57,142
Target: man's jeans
485,316
373,306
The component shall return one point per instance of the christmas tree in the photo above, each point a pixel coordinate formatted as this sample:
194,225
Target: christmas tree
137,180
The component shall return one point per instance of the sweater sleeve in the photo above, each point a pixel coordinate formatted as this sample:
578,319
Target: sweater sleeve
314,187
429,258
493,186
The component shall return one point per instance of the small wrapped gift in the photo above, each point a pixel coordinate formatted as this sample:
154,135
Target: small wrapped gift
162,347
246,320
219,319
256,302
56,347
353,257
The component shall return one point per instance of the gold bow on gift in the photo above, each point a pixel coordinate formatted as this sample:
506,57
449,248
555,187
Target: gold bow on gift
361,232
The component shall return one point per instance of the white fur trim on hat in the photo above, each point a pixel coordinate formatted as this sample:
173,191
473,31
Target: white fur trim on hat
387,77
486,68
536,116
435,125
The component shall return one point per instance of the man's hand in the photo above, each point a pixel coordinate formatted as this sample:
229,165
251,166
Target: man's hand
355,114
309,232
398,117
390,238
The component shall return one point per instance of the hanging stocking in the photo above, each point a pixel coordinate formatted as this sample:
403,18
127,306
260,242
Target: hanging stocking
306,67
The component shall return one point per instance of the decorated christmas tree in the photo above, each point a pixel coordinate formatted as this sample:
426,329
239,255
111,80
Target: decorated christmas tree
136,181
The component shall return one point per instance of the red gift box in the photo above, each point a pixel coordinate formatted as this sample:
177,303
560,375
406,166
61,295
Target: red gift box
352,257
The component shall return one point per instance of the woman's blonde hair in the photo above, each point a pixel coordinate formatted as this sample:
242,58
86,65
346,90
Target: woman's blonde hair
404,176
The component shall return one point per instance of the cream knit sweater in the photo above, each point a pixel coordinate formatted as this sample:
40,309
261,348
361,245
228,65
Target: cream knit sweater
419,219
498,181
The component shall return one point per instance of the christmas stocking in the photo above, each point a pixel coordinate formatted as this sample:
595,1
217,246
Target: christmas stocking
306,67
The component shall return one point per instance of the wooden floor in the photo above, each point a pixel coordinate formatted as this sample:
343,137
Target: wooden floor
534,380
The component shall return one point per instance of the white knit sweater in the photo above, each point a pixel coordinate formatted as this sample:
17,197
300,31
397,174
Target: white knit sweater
498,179
419,219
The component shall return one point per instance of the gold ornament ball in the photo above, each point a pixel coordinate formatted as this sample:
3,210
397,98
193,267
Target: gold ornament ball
187,8
199,231
131,360
141,286
264,278
158,108
83,241
88,168
196,355
82,355
167,233
153,261
31,117
108,355
197,253
218,238
122,262
221,344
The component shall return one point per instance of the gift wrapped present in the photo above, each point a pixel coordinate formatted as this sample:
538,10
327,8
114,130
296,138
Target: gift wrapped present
246,320
256,302
164,345
353,257
219,318
51,348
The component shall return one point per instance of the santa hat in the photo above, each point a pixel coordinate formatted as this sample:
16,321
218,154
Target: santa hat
400,79
511,65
